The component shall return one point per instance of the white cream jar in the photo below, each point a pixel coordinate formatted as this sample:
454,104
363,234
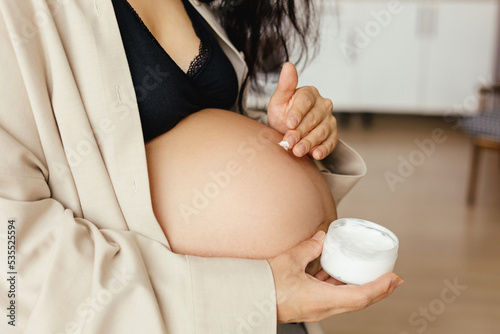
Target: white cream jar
357,251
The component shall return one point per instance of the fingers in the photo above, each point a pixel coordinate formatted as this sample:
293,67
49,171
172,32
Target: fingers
334,281
338,298
322,275
382,287
355,298
308,250
321,151
313,129
287,84
305,98
319,142
302,104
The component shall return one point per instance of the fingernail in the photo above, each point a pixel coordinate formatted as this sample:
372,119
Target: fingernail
301,149
320,235
292,140
318,155
396,282
293,122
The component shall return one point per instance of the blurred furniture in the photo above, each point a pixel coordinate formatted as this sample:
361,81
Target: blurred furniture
484,130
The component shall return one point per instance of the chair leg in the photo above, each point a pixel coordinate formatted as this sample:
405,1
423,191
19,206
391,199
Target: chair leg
473,175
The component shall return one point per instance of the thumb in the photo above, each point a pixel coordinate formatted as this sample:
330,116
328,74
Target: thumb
309,250
287,84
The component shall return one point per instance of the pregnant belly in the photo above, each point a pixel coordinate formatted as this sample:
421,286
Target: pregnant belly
222,186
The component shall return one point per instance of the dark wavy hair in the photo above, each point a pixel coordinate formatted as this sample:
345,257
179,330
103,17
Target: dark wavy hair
269,32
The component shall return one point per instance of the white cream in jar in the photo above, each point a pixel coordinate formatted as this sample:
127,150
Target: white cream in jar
357,251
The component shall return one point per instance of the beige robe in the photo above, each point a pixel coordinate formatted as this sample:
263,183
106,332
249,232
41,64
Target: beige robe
90,256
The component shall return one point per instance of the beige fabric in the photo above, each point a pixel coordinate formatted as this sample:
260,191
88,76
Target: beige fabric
90,255
342,170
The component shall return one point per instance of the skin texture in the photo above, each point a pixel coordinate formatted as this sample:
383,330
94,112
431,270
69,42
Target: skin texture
248,198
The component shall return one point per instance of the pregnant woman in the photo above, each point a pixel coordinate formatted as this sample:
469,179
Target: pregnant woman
120,165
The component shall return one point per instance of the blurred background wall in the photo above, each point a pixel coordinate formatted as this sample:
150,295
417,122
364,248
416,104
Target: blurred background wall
411,57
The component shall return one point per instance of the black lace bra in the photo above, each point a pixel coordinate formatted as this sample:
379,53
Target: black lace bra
165,93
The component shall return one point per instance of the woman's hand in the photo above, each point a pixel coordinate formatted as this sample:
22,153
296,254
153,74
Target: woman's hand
303,116
301,297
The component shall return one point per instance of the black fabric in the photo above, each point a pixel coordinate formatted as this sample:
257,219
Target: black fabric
165,94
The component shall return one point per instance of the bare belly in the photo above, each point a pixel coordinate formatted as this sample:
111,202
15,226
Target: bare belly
222,186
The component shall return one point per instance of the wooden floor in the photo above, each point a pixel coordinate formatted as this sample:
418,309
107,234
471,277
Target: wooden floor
443,242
